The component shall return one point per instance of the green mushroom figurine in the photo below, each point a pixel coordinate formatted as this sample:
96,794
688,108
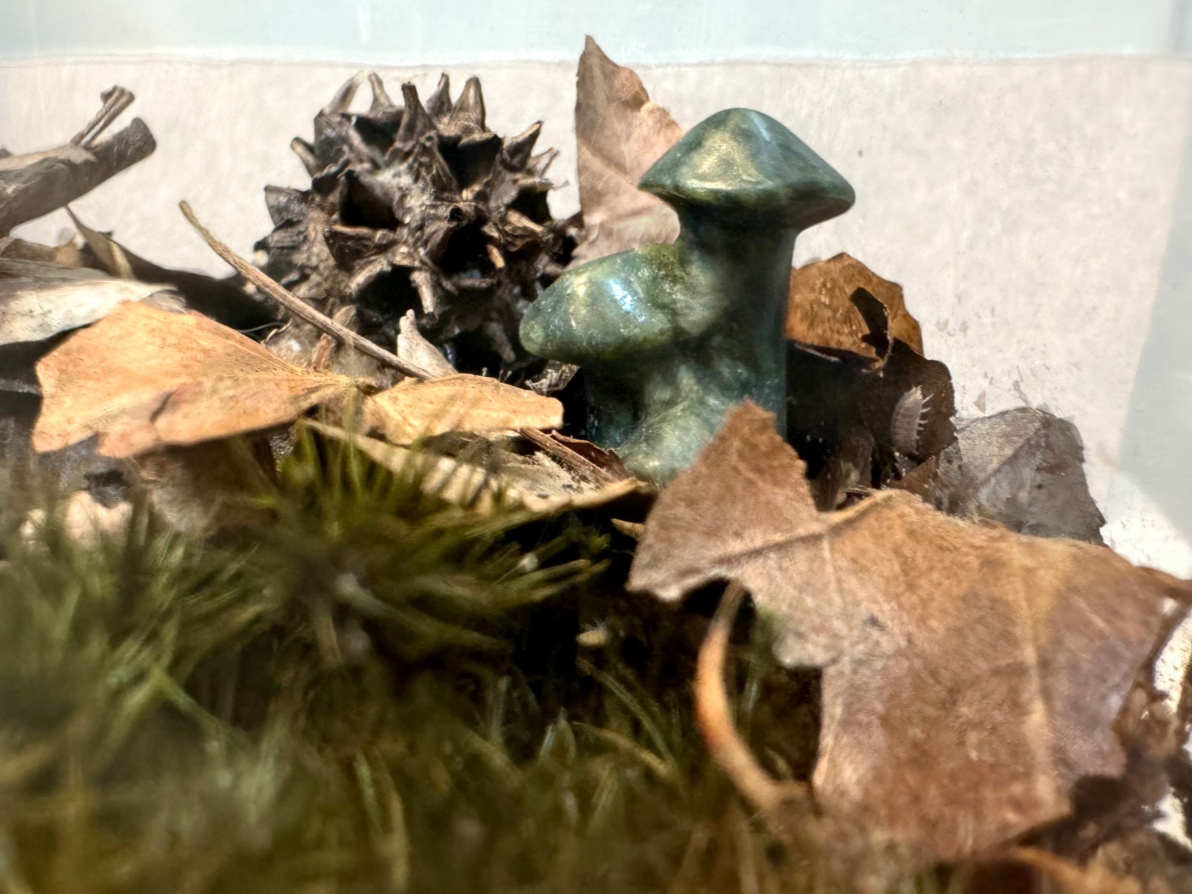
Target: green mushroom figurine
671,336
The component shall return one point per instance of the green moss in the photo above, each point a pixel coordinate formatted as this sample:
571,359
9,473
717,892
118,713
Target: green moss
379,692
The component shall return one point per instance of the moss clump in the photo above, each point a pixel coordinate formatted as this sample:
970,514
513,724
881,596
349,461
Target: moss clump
377,692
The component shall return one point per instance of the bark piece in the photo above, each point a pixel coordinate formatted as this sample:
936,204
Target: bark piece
143,378
821,311
971,675
37,183
619,134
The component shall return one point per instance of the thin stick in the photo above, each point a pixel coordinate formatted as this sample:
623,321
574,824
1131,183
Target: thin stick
578,463
300,308
115,101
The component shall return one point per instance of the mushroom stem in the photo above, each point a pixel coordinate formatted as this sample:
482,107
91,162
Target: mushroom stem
749,277
677,397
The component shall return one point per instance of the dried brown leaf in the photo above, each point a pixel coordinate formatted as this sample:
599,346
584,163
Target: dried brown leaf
821,312
970,674
143,378
208,486
413,409
860,422
1070,878
619,134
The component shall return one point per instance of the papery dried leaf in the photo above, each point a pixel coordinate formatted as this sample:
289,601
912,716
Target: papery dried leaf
1023,468
582,457
821,311
36,308
413,347
496,478
143,378
414,408
619,134
970,674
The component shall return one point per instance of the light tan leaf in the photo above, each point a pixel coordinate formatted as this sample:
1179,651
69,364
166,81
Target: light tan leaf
421,408
619,134
820,310
497,478
970,674
143,378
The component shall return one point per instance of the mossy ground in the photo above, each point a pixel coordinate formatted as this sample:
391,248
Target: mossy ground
378,691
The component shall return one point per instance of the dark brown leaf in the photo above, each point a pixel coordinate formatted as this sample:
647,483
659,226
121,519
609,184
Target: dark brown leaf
971,675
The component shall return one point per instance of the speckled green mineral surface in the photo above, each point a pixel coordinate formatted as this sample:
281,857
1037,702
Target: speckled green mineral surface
671,336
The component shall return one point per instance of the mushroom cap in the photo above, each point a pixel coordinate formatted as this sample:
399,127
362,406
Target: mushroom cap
742,168
619,306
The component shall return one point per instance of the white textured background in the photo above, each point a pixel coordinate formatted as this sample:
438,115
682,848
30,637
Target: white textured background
1024,170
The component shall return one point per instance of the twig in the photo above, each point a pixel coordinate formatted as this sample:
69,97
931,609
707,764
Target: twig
300,308
785,805
115,101
566,455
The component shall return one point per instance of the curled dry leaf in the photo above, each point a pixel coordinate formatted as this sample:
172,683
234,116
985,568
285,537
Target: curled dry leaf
821,311
414,409
619,133
970,674
861,422
492,477
413,347
143,378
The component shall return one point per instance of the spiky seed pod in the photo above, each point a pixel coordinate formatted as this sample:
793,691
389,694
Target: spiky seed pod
419,207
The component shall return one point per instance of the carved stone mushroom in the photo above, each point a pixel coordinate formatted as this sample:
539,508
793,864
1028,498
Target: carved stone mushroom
671,336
